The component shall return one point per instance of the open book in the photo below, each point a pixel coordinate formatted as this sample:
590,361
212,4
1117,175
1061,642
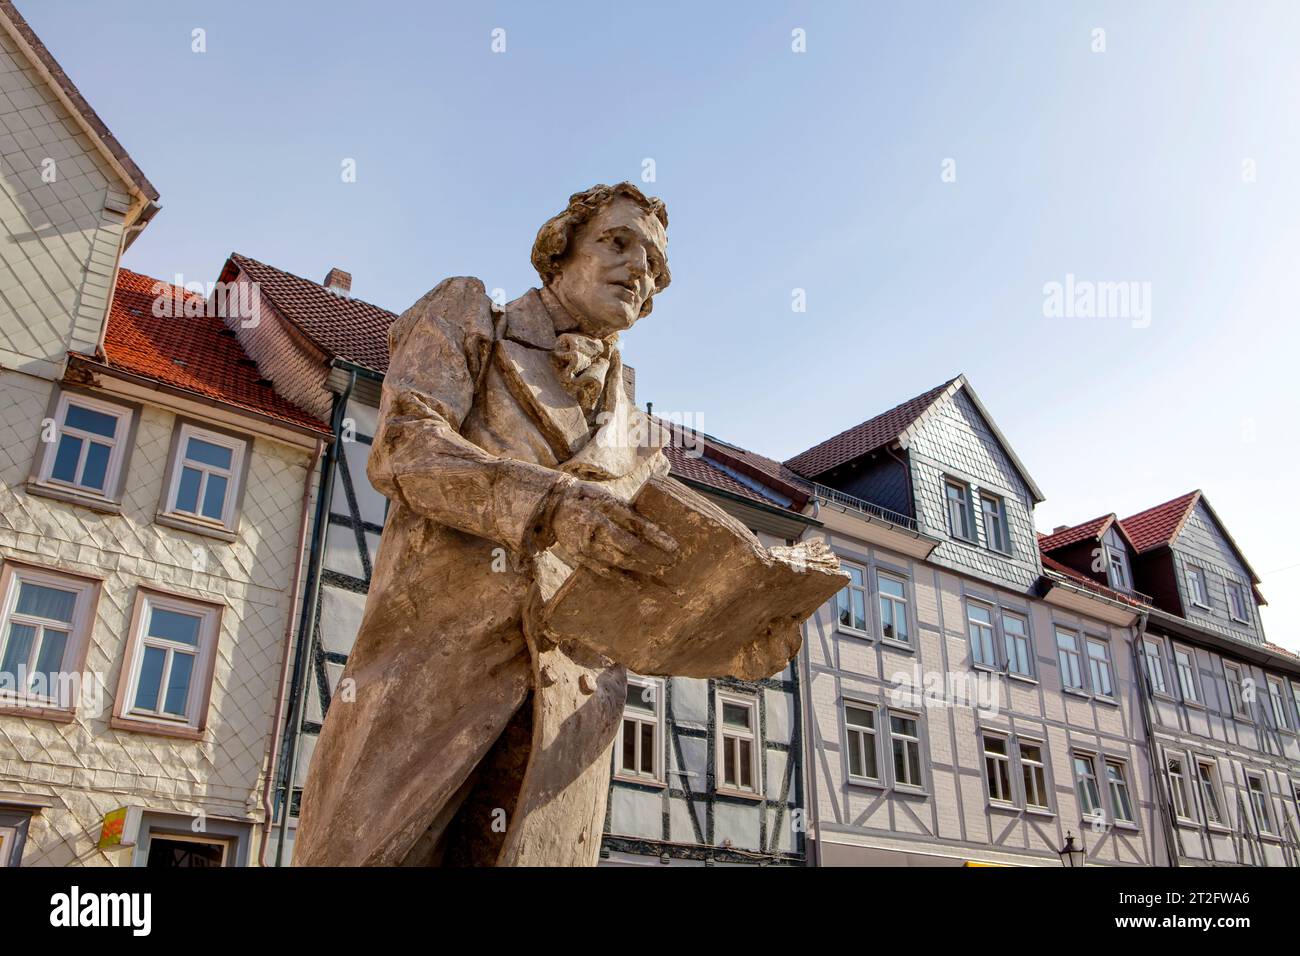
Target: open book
725,607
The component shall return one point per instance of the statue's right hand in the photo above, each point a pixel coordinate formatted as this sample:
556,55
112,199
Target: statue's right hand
594,526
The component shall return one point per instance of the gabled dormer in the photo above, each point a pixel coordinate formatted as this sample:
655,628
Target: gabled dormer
1190,565
1100,549
940,460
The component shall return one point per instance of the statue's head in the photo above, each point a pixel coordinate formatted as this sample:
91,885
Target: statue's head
605,256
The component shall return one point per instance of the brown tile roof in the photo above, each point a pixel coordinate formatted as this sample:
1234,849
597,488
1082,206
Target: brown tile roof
706,460
339,326
1160,525
194,353
863,439
69,89
1082,580
1087,531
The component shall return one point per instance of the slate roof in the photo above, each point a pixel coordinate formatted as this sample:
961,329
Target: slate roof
193,353
340,326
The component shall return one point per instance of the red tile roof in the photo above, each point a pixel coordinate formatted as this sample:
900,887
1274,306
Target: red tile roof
705,460
690,468
189,353
339,326
1082,580
863,439
1160,525
1087,531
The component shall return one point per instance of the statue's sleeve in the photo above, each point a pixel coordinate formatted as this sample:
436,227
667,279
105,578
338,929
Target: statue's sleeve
439,348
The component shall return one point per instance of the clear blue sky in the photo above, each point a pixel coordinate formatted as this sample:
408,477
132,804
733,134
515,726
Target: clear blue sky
819,171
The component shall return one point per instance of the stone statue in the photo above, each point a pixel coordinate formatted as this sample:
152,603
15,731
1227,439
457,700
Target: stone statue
513,459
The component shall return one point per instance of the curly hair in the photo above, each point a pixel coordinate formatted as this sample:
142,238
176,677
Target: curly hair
553,238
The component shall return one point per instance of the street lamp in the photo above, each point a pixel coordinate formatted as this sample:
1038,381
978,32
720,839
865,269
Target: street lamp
1071,855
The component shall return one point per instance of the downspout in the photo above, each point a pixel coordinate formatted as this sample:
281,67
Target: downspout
1158,771
267,805
811,847
311,600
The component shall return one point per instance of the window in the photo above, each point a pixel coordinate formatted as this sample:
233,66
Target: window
851,602
206,473
1015,636
893,608
1067,648
1117,569
639,747
1207,774
905,741
87,446
1117,783
1196,586
957,496
1237,607
14,823
1277,704
1295,702
1185,665
1085,780
1236,701
1178,787
979,624
738,743
1155,665
997,769
44,633
169,850
1259,801
996,535
860,726
169,662
1099,668
1034,770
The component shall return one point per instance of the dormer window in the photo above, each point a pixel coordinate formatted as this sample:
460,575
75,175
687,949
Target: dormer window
1117,567
1196,586
1237,602
960,520
996,535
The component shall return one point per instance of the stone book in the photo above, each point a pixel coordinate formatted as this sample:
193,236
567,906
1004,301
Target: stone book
726,604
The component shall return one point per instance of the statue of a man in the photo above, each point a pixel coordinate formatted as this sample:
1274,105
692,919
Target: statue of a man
501,434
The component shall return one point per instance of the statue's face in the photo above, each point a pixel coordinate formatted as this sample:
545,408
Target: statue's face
609,270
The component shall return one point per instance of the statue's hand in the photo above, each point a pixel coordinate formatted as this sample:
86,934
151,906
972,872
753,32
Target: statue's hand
594,526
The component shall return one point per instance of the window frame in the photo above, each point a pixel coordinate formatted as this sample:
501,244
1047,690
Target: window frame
1178,783
1057,630
1236,701
1032,672
1117,555
850,744
1211,787
1196,573
1277,709
1000,517
241,447
1089,641
1109,763
916,739
1159,657
1265,797
1235,589
850,588
1197,696
1043,764
989,608
894,601
722,734
41,480
655,717
1089,762
125,716
73,663
967,509
1003,760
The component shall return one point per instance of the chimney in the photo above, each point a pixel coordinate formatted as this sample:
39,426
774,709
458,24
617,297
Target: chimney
339,282
1059,528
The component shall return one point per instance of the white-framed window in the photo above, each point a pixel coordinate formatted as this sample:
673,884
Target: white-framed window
1015,638
1185,668
1295,702
739,755
1067,649
45,623
88,446
205,476
979,625
996,535
1236,699
1259,800
185,850
961,522
1117,784
860,731
1207,776
905,747
1154,659
851,601
1117,567
639,749
893,608
1196,586
1103,685
1277,704
1085,781
1033,768
997,769
1178,786
169,660
1237,607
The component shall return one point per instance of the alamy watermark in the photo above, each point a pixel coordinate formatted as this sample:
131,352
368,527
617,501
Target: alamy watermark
1089,299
